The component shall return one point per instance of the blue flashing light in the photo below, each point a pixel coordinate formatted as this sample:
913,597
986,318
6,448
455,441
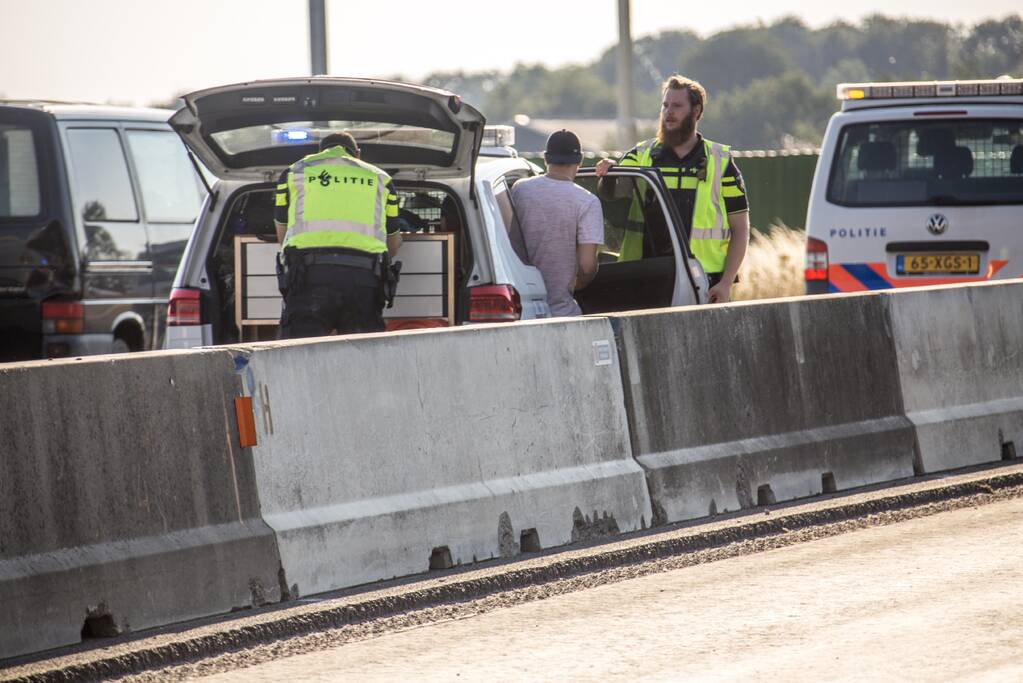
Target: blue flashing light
288,136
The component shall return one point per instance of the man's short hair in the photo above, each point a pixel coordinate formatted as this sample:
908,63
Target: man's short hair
697,93
343,139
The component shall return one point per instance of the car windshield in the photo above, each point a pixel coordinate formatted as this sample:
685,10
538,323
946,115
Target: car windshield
929,163
251,138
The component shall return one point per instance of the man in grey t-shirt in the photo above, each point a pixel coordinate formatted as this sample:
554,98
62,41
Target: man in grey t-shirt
561,224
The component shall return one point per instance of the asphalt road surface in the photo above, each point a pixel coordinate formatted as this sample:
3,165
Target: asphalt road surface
934,598
919,580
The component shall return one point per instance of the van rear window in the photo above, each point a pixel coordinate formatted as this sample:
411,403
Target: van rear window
940,162
20,196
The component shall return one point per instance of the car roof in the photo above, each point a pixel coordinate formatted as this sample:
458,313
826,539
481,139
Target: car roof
83,110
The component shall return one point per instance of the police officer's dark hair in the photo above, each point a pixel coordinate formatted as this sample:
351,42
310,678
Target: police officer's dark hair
697,93
344,139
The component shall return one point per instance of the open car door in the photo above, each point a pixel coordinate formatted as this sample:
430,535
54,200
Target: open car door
645,261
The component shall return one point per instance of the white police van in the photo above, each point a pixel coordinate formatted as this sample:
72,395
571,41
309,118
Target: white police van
918,184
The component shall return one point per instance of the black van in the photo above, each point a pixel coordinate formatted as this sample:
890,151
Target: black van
96,206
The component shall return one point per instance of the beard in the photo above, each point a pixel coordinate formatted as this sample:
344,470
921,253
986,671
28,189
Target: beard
673,137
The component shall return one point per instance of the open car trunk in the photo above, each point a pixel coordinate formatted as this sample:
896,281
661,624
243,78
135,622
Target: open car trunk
252,131
244,303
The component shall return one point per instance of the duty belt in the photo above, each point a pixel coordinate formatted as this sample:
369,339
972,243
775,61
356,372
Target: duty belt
366,262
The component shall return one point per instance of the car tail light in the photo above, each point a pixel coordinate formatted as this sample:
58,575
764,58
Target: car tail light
183,307
494,303
63,317
816,259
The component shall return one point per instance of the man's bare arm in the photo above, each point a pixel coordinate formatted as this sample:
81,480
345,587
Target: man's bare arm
586,270
393,244
282,230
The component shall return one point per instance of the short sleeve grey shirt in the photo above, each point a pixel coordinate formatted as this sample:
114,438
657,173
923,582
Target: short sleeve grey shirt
555,217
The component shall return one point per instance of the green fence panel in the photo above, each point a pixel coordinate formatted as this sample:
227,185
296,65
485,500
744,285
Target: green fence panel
778,186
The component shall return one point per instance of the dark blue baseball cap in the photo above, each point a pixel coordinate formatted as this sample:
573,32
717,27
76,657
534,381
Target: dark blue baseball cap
563,148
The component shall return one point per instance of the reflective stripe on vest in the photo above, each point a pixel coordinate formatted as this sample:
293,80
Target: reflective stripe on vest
710,233
337,201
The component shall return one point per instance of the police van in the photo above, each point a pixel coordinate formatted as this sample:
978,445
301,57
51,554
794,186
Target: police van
918,183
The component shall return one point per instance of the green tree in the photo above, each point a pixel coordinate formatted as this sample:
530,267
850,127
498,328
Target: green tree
771,113
901,49
835,44
991,49
769,85
657,57
573,91
846,71
474,88
732,59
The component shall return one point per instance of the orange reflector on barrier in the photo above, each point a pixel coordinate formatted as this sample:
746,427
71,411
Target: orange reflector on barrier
246,421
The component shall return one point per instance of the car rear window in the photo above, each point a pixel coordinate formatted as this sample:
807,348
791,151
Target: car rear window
20,195
251,138
942,162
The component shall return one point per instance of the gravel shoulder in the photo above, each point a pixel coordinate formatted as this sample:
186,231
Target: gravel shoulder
240,640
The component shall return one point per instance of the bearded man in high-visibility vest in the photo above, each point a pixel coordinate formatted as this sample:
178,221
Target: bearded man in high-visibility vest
337,222
703,181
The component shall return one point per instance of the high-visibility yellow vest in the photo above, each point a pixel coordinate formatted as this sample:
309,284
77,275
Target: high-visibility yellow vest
336,200
709,234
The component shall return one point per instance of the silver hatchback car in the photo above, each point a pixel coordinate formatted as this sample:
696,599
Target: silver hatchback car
462,262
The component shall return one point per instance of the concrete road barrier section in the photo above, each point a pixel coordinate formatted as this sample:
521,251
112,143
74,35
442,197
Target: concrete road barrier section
137,491
381,456
736,406
125,501
960,356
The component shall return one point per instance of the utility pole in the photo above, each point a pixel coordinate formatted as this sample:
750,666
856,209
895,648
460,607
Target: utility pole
318,36
626,118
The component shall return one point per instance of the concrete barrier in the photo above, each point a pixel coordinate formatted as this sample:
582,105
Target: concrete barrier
734,406
960,357
387,455
125,501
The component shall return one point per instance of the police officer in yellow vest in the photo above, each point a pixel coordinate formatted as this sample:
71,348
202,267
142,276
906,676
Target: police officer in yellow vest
337,222
704,182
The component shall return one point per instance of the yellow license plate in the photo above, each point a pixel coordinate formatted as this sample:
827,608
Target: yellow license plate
937,264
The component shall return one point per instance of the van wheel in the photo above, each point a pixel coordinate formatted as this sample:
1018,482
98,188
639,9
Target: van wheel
120,346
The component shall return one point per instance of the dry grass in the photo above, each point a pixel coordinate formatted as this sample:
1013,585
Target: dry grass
773,266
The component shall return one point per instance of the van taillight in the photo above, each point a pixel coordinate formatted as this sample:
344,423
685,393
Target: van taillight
816,259
63,317
183,307
494,303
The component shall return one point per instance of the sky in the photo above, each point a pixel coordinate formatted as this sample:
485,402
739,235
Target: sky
143,51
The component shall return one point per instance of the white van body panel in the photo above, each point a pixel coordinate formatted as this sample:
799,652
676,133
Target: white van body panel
864,242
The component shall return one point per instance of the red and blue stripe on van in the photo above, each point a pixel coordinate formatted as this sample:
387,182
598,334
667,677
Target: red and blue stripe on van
862,277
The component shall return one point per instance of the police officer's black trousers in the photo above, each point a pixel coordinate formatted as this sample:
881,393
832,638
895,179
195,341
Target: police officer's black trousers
332,299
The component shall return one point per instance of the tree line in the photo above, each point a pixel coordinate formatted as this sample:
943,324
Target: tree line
770,86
